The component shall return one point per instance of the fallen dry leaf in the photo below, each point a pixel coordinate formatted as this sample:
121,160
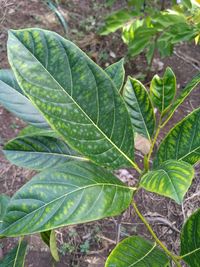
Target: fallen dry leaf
142,144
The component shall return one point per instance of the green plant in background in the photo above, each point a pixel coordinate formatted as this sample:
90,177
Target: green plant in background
150,26
82,127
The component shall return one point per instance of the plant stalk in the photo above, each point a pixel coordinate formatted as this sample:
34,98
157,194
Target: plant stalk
175,258
152,145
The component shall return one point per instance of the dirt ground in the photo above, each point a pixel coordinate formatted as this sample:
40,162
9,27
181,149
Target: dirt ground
88,245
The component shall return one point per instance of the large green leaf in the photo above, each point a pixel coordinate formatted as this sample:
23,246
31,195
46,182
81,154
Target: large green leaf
184,93
116,72
4,200
182,142
138,252
75,193
76,97
16,257
12,98
39,152
140,107
171,179
163,90
190,240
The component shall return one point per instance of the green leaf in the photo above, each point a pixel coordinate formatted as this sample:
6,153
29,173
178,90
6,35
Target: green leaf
163,90
142,39
171,179
184,93
182,142
13,100
49,239
7,76
140,107
190,240
39,152
138,252
16,257
187,3
117,20
116,72
75,193
76,97
32,130
4,200
46,237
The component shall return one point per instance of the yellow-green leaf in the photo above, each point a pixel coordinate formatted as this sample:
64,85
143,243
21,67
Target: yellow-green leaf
140,107
75,193
163,90
182,142
138,252
171,179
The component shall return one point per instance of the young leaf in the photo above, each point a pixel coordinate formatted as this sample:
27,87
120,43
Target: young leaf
190,240
117,20
163,90
171,179
39,152
138,252
14,101
75,96
182,142
184,93
75,193
4,200
140,107
16,257
116,72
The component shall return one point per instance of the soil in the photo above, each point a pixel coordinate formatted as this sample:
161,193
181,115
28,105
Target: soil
83,18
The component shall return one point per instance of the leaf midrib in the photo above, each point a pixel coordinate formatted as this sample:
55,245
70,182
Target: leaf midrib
143,257
46,153
65,92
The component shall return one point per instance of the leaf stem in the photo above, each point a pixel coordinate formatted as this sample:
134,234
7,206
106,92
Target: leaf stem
175,258
153,144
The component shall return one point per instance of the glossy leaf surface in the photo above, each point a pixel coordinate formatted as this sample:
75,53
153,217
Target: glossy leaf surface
140,107
75,193
163,90
190,240
182,142
138,252
76,96
116,72
171,179
16,257
12,99
39,152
